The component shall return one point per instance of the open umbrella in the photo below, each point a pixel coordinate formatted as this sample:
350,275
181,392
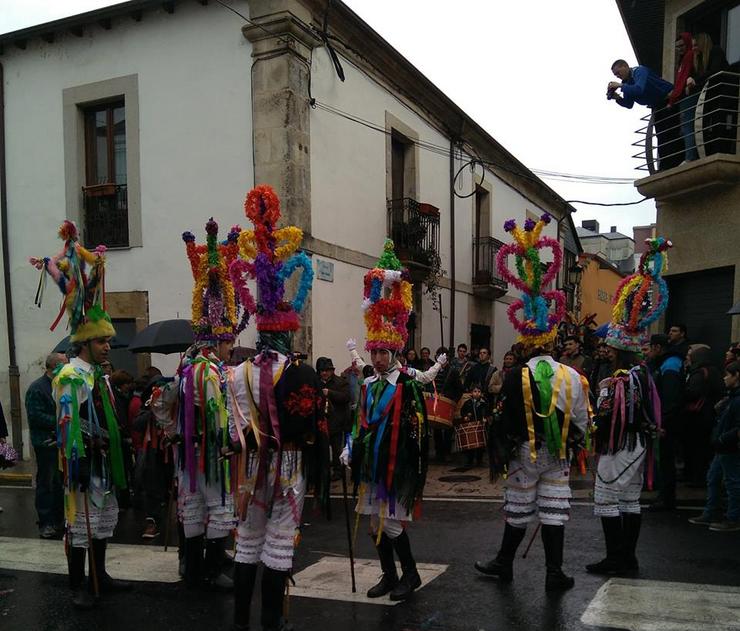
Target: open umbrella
165,336
601,331
65,344
735,309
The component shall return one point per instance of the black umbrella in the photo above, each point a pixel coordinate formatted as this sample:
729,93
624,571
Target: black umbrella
735,309
166,336
65,344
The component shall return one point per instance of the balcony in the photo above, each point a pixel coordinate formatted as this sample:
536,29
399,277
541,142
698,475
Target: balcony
414,228
715,133
106,215
487,283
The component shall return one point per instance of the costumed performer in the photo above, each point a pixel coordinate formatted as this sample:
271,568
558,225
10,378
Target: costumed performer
192,410
628,412
390,443
544,410
88,436
274,401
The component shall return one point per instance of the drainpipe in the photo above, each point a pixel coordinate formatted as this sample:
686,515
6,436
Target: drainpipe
452,247
13,372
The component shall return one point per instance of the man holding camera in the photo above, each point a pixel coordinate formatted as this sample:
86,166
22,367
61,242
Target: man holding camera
641,85
42,421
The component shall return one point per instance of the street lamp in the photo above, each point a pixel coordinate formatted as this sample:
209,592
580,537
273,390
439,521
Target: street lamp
574,275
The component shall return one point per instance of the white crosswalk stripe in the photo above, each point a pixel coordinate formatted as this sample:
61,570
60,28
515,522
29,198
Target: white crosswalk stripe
128,562
664,606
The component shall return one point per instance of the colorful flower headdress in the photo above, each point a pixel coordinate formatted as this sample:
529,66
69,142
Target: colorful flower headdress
539,325
640,299
387,302
84,293
268,254
215,304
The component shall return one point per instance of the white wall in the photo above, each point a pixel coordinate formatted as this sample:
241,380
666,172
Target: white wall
195,133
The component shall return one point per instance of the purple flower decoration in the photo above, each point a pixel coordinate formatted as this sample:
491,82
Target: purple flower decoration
529,224
509,225
211,227
188,237
546,218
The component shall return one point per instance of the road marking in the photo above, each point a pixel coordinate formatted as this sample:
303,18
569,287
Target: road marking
128,562
664,606
329,579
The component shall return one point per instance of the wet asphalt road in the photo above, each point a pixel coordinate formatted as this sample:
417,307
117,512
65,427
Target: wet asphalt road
452,533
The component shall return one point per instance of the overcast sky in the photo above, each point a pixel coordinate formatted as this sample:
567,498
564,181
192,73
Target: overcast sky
533,74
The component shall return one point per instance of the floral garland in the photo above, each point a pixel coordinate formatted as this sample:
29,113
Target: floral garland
387,302
538,326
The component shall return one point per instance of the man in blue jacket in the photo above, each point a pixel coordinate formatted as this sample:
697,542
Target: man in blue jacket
666,362
643,86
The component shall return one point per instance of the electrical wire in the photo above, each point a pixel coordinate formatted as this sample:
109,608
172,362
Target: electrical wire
580,201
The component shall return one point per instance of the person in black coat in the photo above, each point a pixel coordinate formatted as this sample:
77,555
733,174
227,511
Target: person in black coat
335,405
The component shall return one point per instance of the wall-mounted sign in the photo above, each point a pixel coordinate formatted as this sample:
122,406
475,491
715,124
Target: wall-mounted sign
325,270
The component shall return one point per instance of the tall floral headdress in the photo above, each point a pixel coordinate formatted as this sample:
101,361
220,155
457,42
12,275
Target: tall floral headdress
640,299
538,327
83,290
269,255
387,302
215,304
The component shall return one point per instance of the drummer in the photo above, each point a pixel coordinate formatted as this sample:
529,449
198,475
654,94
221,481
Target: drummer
446,385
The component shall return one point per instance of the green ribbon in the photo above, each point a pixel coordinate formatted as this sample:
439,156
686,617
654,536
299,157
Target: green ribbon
114,434
543,375
74,438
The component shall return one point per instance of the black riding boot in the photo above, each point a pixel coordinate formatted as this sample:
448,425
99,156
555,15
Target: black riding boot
81,598
631,533
502,565
106,583
389,579
244,578
214,577
410,579
194,561
553,538
613,563
273,594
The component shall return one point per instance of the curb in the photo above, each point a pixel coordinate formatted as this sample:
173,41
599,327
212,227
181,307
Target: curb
16,479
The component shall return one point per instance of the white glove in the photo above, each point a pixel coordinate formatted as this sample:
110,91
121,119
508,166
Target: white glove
351,344
442,359
345,457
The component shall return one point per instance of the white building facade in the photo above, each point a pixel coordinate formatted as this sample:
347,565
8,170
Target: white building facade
168,113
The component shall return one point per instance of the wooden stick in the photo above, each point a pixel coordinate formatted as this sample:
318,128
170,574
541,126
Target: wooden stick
349,529
93,567
531,541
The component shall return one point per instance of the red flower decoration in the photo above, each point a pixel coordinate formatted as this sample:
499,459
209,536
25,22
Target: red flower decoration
304,402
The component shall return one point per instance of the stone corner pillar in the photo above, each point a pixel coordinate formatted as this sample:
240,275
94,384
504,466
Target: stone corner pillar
282,41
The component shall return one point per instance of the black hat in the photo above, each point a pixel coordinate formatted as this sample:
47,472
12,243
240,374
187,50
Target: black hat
324,363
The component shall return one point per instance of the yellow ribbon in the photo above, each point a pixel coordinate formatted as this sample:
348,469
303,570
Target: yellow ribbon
568,411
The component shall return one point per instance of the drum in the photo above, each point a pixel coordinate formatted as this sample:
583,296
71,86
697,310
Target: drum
470,435
440,410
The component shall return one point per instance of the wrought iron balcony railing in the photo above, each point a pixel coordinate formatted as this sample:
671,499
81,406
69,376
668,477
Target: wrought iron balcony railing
414,228
693,128
106,215
485,276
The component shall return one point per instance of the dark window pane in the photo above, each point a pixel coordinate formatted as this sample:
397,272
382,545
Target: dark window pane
101,147
119,144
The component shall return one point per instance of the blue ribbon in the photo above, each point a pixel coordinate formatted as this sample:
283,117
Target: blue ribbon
374,417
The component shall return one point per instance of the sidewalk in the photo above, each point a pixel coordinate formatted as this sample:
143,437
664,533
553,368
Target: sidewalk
19,475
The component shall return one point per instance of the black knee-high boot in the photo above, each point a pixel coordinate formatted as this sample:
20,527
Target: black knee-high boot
613,537
410,579
503,565
553,538
81,598
194,561
389,579
214,577
273,594
106,583
631,532
245,575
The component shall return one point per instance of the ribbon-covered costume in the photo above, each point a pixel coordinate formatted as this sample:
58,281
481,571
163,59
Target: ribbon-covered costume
628,413
544,410
88,435
193,411
390,441
274,404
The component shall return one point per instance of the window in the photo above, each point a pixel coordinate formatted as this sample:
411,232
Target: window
105,191
399,149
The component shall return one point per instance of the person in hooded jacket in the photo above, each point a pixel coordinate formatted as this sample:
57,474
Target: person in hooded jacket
704,389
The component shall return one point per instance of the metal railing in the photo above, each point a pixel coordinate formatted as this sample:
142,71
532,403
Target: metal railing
693,128
415,232
484,262
106,216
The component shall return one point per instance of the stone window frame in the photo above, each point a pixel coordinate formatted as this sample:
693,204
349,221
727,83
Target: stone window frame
74,101
411,163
